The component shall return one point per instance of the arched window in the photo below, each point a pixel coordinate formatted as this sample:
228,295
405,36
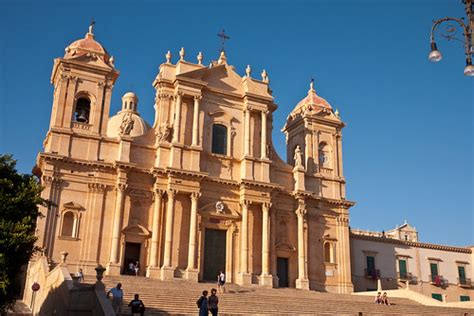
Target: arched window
327,252
69,223
219,139
325,155
83,108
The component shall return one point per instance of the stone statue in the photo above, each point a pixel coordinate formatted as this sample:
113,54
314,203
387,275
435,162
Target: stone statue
127,124
298,157
164,131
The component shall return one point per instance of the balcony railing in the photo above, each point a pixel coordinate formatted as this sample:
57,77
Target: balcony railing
465,282
437,280
407,277
372,273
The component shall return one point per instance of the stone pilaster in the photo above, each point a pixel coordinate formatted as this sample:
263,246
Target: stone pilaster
302,281
167,271
245,278
114,264
191,271
153,269
266,278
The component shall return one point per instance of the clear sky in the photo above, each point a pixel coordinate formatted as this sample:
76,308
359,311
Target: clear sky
408,149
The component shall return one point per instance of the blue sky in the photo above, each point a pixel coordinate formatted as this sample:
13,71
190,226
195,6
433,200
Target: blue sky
408,151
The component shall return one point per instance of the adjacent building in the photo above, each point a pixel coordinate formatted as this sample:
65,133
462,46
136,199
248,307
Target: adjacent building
396,257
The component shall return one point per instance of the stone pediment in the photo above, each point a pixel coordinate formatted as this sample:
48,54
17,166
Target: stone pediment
218,209
73,206
284,246
136,229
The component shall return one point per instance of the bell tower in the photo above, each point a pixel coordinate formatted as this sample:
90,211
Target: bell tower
314,129
83,81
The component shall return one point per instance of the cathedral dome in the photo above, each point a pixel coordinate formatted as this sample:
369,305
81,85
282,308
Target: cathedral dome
127,121
88,45
312,100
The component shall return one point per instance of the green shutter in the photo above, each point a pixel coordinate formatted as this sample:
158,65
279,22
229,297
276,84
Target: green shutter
462,273
465,298
434,269
438,297
370,263
402,268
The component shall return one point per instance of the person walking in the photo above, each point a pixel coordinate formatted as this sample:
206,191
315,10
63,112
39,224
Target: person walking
137,306
117,298
80,276
203,304
213,302
221,281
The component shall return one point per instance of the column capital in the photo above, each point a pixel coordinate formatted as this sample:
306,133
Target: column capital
266,206
265,112
171,192
197,97
97,187
245,202
195,195
121,187
159,191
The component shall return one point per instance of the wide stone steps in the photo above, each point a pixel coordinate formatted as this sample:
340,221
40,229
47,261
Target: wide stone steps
178,297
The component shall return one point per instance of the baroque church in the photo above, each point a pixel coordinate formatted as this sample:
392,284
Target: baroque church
202,189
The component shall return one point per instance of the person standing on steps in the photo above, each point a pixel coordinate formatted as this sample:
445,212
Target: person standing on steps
137,268
221,281
131,268
203,304
117,298
137,306
213,302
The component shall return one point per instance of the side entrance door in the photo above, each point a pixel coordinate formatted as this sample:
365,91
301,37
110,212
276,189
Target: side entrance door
282,272
132,254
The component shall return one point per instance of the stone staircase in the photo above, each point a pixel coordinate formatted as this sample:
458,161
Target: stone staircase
179,297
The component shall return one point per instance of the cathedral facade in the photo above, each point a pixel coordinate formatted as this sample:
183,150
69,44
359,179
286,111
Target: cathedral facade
200,190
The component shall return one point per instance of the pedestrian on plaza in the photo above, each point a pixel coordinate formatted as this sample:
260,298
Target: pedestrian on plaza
117,298
136,268
213,302
137,306
203,304
221,282
378,298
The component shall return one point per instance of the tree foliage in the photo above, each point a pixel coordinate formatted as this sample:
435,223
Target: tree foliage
19,208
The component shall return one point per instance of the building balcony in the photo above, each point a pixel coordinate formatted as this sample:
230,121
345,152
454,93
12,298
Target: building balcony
438,280
406,277
372,274
465,282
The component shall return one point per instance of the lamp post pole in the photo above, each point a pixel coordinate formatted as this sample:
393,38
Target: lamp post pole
450,34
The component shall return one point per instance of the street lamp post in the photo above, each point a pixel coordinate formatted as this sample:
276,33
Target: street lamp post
450,34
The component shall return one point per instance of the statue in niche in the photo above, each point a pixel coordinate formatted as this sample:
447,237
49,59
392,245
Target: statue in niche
127,124
298,157
163,133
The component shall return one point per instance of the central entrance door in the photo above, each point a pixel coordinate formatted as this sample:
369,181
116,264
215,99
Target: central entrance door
214,253
282,272
132,254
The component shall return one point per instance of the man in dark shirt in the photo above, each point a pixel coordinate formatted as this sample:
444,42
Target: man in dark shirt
213,302
137,306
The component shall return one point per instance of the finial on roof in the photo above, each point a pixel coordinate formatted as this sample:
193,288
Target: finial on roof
111,60
168,57
181,54
91,29
222,58
336,113
248,71
311,86
264,76
199,58
406,222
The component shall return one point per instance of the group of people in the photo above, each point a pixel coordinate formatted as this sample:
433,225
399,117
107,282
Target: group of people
382,299
210,304
133,268
136,304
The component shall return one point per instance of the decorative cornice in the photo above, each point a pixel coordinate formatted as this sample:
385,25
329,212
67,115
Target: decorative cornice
411,243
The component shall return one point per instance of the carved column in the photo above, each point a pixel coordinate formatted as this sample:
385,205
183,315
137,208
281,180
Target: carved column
167,272
94,214
196,121
177,118
54,185
247,131
302,281
263,148
158,195
342,231
266,279
191,271
245,277
118,214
